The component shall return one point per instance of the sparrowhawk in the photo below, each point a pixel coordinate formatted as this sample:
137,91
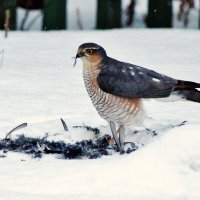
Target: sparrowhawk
117,89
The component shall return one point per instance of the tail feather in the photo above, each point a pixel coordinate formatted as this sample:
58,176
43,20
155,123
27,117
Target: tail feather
186,85
191,95
188,90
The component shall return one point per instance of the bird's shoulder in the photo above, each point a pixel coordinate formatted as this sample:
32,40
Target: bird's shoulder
130,71
129,80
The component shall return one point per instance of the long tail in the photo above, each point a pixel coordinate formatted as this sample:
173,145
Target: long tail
188,90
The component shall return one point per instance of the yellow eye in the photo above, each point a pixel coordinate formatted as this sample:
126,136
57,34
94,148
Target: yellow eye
89,51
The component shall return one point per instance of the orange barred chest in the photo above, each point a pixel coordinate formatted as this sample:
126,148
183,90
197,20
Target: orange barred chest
111,108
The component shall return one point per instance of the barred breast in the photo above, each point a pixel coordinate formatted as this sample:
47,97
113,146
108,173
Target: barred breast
124,111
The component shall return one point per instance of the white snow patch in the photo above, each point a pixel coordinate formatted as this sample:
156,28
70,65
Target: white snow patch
38,85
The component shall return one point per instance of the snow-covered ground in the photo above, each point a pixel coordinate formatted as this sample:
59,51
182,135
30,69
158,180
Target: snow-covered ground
38,85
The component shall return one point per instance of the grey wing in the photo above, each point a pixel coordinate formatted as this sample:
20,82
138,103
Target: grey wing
131,81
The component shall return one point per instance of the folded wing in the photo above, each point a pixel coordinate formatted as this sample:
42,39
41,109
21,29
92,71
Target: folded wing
131,81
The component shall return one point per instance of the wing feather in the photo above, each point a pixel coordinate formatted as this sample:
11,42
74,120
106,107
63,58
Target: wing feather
131,81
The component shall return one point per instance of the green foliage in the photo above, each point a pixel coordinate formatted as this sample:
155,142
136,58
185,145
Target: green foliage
159,14
54,15
108,14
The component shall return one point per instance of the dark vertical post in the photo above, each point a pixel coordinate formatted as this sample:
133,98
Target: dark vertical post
199,14
13,16
108,14
11,5
54,15
2,17
159,14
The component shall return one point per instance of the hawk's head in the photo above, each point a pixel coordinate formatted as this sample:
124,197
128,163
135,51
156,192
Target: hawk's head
91,53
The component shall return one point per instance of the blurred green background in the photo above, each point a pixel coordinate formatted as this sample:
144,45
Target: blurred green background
98,14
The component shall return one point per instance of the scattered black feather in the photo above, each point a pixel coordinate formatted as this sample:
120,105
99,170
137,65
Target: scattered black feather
181,124
64,125
37,147
88,128
152,132
90,149
15,129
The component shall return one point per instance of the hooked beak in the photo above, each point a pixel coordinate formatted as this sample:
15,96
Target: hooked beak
78,55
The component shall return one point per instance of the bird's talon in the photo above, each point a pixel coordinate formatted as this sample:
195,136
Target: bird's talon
118,140
111,141
121,137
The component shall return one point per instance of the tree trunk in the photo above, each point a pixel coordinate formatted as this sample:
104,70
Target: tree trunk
108,14
199,14
54,15
12,7
159,14
31,4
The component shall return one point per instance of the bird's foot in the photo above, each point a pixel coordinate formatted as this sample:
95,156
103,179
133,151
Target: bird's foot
118,136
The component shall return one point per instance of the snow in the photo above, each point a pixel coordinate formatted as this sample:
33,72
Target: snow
87,14
38,85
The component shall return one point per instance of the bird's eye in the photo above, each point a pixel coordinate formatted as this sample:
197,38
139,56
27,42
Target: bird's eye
89,51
